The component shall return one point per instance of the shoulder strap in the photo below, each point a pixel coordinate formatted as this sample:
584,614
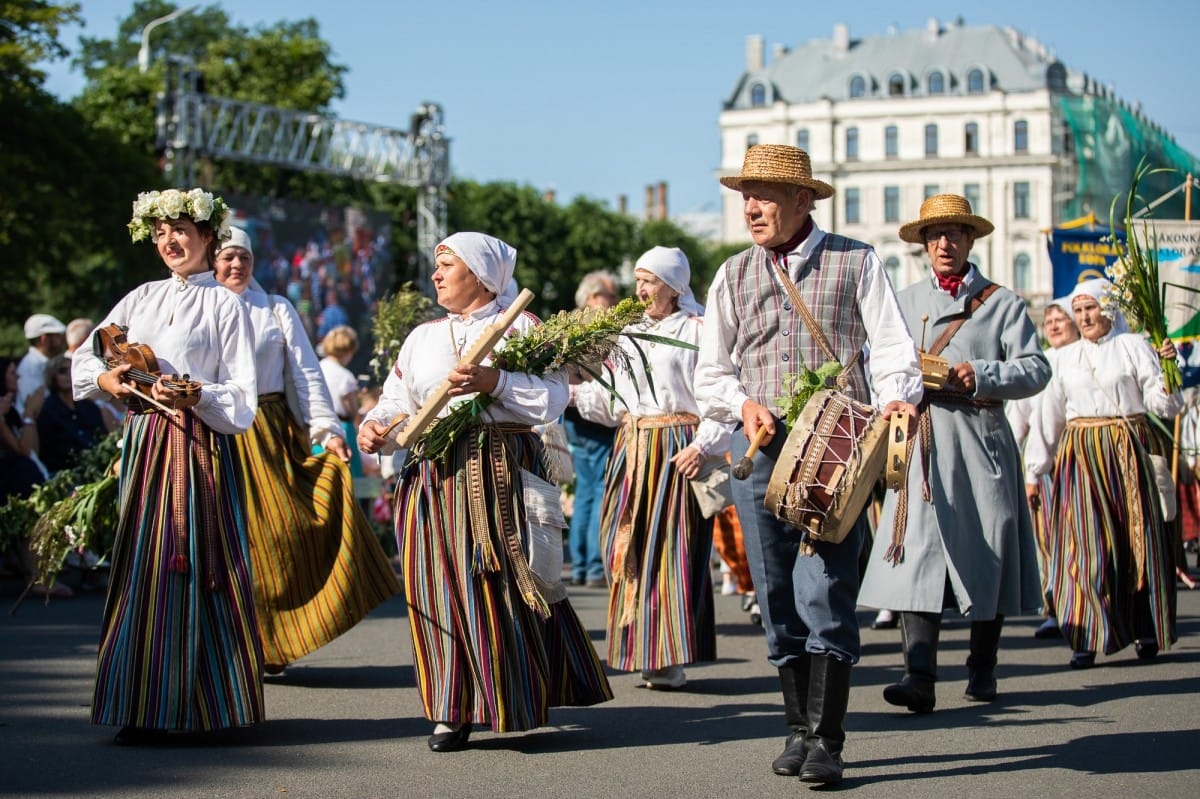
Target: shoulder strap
952,328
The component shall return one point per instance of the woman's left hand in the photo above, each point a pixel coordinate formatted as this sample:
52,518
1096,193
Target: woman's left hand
1167,350
688,461
469,378
337,445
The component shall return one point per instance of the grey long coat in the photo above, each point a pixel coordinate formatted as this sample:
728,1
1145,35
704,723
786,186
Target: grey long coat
976,532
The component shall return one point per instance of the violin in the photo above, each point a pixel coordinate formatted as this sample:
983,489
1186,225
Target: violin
112,344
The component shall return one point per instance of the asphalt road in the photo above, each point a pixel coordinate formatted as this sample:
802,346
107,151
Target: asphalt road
346,722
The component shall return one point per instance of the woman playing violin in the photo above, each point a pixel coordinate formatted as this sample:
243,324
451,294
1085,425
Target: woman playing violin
179,647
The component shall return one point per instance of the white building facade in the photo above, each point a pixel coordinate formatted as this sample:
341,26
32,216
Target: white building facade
889,120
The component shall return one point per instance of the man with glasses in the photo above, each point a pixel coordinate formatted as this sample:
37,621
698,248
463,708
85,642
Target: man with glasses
959,534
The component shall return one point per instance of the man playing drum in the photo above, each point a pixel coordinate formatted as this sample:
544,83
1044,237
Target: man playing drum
753,339
959,534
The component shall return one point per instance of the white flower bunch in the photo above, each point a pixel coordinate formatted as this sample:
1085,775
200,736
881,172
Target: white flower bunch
198,204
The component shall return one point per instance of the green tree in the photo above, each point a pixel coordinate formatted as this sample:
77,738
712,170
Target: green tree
29,31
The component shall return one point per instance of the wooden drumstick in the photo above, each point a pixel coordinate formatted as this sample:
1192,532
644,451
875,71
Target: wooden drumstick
742,469
924,321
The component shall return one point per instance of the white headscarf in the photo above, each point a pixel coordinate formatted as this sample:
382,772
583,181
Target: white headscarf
670,265
1096,288
489,259
237,238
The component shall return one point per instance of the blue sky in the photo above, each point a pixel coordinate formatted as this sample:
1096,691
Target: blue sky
603,98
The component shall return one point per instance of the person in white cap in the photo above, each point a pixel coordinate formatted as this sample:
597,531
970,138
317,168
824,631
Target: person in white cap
308,590
47,338
656,542
490,645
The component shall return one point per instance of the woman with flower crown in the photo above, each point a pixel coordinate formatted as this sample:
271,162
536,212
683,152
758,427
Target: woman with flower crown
1113,562
493,642
179,648
318,567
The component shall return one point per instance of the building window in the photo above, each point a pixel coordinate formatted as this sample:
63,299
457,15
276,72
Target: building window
931,142
1021,272
931,189
858,86
892,267
891,141
802,139
758,95
891,203
971,192
937,83
853,212
975,81
851,144
1021,200
971,138
896,85
1021,136
751,140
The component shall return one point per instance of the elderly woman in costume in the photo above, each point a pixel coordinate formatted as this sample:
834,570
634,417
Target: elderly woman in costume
492,643
318,567
656,544
179,648
959,534
1112,560
1060,330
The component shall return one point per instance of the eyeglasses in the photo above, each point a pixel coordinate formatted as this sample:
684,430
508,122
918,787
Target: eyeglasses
954,235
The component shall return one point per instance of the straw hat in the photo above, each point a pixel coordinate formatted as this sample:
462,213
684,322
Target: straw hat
945,209
778,163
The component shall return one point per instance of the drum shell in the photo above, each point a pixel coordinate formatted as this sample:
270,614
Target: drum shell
827,469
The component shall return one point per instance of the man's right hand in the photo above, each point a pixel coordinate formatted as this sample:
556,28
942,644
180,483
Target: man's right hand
755,416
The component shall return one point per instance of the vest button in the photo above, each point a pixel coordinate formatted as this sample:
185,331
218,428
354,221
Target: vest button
786,357
787,332
787,306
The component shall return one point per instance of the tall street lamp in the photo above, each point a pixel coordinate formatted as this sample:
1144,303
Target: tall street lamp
144,50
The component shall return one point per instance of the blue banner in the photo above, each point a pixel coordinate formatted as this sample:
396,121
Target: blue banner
1077,254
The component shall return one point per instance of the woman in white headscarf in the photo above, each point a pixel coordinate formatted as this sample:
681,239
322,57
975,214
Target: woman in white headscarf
1060,330
1112,561
656,544
483,653
318,567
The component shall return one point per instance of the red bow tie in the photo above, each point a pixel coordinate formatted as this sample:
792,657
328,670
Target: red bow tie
951,284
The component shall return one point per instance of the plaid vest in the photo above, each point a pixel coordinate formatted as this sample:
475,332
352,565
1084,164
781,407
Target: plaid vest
772,338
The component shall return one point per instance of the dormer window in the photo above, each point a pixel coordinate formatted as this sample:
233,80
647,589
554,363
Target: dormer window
896,85
858,86
758,95
975,82
936,83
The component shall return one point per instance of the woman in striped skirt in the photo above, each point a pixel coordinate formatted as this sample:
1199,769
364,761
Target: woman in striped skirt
318,567
1113,565
493,642
657,546
179,647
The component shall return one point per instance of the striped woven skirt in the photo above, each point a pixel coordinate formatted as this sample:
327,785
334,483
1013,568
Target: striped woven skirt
488,646
656,551
179,647
1113,568
318,567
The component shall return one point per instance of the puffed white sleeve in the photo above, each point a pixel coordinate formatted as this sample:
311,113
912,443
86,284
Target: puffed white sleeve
86,366
314,402
717,385
229,404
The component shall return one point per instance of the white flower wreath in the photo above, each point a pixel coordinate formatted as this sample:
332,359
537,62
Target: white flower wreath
198,204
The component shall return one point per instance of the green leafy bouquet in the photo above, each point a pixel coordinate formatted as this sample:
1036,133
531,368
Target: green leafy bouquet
1136,288
395,317
801,386
584,339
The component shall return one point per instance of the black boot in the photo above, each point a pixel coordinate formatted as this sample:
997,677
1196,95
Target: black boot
919,636
793,679
981,663
828,696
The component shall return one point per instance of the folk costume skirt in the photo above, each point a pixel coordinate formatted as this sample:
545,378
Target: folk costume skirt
488,647
179,646
656,551
318,567
1113,566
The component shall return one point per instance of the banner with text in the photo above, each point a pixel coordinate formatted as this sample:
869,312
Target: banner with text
1078,254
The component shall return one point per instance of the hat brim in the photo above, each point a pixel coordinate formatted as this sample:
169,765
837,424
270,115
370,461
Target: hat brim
912,231
821,189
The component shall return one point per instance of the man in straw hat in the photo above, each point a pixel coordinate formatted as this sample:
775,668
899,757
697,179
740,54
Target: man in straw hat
959,533
753,338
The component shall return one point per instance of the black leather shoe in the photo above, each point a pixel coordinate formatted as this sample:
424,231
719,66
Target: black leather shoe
913,693
821,765
1082,660
1048,629
450,741
790,761
981,686
1146,650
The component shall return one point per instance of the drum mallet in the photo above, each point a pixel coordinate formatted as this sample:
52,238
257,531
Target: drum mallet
742,469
